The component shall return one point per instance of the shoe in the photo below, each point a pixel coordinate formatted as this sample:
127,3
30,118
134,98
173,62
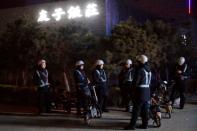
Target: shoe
44,114
143,127
79,114
181,107
105,110
126,110
129,128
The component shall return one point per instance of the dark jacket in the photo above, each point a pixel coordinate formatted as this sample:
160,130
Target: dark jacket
185,72
141,83
100,80
41,77
81,80
126,77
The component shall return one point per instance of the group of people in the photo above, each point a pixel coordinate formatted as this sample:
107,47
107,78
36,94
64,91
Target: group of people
136,86
134,82
82,82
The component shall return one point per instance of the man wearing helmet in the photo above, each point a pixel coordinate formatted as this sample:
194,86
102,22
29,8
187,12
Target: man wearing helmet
83,92
100,80
181,75
41,80
125,83
141,98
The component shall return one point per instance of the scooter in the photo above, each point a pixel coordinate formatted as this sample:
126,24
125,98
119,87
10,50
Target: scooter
94,110
165,100
155,112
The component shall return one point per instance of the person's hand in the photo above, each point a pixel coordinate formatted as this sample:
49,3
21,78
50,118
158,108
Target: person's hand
88,81
179,71
182,77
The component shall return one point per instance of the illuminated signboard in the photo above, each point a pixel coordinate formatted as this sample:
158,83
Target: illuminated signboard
72,12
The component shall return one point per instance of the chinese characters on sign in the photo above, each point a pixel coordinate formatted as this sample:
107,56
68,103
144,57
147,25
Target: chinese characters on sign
58,13
43,16
72,13
91,10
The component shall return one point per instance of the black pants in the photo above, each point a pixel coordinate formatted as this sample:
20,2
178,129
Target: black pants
104,102
102,97
179,88
43,100
83,101
140,108
126,95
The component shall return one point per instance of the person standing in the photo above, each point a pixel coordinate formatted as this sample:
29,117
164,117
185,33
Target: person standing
101,82
41,81
141,101
125,83
82,87
181,75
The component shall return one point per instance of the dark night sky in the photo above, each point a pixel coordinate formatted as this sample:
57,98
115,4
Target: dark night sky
16,3
194,8
11,3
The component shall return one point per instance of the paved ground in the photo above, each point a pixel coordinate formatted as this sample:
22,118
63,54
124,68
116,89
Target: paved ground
182,120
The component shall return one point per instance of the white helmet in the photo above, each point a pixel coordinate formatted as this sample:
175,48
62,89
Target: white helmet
99,62
79,63
142,59
129,62
181,61
41,61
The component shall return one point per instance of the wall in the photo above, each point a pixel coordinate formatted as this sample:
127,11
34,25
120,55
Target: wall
96,23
